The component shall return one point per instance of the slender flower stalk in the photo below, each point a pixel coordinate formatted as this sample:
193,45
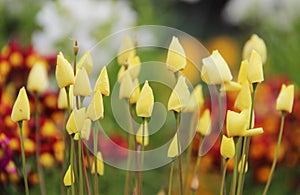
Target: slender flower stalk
222,189
171,177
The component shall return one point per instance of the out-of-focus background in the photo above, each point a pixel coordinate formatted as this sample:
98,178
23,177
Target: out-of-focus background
33,30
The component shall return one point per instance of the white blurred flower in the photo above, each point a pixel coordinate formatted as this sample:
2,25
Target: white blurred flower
280,14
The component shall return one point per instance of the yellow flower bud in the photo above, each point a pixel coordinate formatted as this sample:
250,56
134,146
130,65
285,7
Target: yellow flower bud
257,44
255,68
176,59
243,72
100,165
86,62
215,69
173,148
236,123
95,109
21,108
72,98
204,123
126,51
231,86
102,83
75,121
121,73
64,72
62,99
180,96
196,100
68,177
285,98
227,148
145,102
37,78
126,86
243,100
82,85
140,134
86,129
136,92
134,66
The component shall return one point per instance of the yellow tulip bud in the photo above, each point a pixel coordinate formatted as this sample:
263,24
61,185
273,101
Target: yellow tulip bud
243,100
180,96
143,133
86,129
227,148
145,102
285,98
37,78
75,121
136,92
72,98
231,86
126,86
204,123
86,62
176,59
68,177
196,100
100,165
82,85
121,73
126,51
95,109
215,69
236,123
242,163
64,72
134,66
62,99
173,148
102,83
255,68
21,108
257,44
243,72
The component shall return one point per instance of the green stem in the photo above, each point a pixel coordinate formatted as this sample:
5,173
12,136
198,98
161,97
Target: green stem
95,160
276,154
222,189
86,179
177,117
142,156
23,158
235,170
72,166
80,166
171,178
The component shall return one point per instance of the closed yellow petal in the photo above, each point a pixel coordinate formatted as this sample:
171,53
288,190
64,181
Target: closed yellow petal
253,132
121,73
95,109
236,123
176,59
140,135
102,83
145,102
285,98
64,72
68,178
86,129
75,121
173,148
215,69
126,86
82,85
100,165
21,108
136,92
126,51
243,100
86,62
227,148
134,66
180,96
62,102
243,72
231,86
196,100
204,123
38,78
255,68
257,44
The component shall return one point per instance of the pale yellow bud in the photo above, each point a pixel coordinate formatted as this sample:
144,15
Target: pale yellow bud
102,83
173,148
176,59
215,69
243,100
257,44
126,50
204,123
285,98
86,62
227,148
126,86
82,85
134,66
145,102
95,109
21,108
180,96
100,165
69,175
37,78
243,72
255,68
143,132
75,121
86,129
196,100
121,73
236,123
62,99
72,98
64,72
136,92
231,86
